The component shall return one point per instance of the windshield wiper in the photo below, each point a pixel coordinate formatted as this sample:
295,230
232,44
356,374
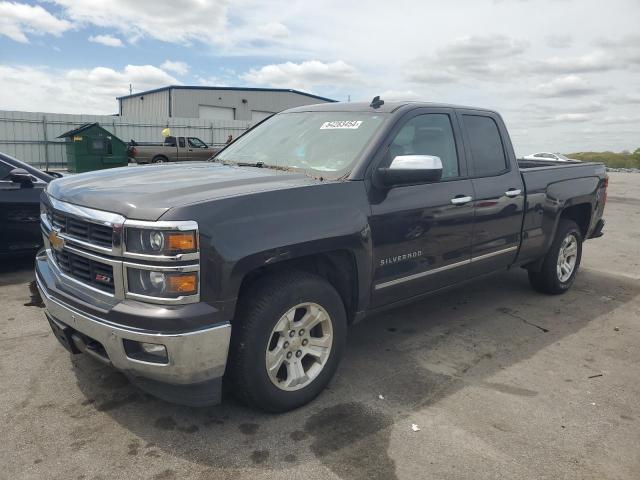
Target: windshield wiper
284,168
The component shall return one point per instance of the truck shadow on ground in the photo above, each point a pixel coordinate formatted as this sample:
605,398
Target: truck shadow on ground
414,356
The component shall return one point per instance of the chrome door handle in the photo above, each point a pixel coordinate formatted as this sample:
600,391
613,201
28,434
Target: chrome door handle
461,200
513,192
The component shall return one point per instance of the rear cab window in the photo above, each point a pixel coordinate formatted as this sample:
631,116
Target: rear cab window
488,155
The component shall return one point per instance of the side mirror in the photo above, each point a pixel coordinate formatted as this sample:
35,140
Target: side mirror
410,170
21,176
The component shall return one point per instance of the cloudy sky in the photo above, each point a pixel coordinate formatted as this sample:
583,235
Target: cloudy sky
565,74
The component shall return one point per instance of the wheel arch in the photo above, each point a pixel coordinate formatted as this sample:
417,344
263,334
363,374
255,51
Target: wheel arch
339,267
579,213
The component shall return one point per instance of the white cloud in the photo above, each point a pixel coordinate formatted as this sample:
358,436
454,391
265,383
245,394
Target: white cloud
211,81
91,91
400,95
19,19
108,40
305,75
620,119
559,41
274,29
164,20
566,86
572,117
179,68
598,61
477,56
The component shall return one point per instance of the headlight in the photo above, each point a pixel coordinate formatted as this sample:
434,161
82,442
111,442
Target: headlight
160,242
162,284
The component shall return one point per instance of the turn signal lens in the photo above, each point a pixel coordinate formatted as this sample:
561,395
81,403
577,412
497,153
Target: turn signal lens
181,241
185,284
161,284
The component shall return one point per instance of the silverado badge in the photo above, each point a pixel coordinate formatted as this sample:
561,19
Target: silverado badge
56,241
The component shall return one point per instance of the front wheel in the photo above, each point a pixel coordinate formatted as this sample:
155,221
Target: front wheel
288,338
562,261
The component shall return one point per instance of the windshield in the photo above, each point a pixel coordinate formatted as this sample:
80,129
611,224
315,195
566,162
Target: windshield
328,143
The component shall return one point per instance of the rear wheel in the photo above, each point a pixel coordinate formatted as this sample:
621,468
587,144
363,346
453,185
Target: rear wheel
159,159
288,338
562,261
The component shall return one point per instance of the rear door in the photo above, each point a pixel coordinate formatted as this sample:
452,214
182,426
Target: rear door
421,240
498,191
183,153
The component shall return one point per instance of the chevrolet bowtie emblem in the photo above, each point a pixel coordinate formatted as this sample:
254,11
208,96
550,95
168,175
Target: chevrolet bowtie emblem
56,241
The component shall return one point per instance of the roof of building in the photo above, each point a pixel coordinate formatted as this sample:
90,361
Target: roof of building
241,89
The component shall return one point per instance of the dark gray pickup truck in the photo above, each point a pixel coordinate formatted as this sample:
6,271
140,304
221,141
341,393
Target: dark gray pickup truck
250,267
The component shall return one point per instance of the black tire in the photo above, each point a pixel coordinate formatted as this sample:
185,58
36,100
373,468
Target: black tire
260,308
548,280
159,159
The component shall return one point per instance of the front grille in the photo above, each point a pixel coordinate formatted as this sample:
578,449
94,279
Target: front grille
81,229
96,274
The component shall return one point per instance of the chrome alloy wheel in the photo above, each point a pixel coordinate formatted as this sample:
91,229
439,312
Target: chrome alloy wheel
567,257
299,346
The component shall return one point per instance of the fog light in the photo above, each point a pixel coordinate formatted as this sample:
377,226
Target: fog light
154,349
146,352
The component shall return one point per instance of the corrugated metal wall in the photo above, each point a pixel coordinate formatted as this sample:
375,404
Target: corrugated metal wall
185,102
148,105
32,137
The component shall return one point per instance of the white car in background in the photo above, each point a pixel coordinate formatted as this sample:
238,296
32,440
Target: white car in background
558,157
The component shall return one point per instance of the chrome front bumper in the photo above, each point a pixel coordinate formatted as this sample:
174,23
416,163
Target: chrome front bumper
193,357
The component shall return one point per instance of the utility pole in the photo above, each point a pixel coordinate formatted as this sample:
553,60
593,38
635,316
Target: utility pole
348,98
130,89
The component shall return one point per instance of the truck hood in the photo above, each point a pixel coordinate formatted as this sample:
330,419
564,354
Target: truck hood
147,192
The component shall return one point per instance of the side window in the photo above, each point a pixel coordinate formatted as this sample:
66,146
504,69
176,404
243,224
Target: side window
195,142
487,151
429,134
181,142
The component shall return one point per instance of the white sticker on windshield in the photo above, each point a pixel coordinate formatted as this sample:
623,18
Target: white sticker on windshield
351,124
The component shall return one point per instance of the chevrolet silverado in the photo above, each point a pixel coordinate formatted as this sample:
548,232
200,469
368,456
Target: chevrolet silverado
250,267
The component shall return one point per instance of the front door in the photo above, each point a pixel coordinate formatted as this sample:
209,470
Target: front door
198,149
421,234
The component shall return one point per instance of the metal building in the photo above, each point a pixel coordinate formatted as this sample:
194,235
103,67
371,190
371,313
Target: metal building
214,103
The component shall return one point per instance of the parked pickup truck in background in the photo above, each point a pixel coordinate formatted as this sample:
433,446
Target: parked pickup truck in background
250,267
173,149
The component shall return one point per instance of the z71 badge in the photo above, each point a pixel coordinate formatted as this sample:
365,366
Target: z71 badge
400,258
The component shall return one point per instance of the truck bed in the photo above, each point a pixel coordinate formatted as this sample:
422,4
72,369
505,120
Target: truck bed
550,187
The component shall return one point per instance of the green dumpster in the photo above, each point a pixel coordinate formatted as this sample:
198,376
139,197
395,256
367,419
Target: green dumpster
91,147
